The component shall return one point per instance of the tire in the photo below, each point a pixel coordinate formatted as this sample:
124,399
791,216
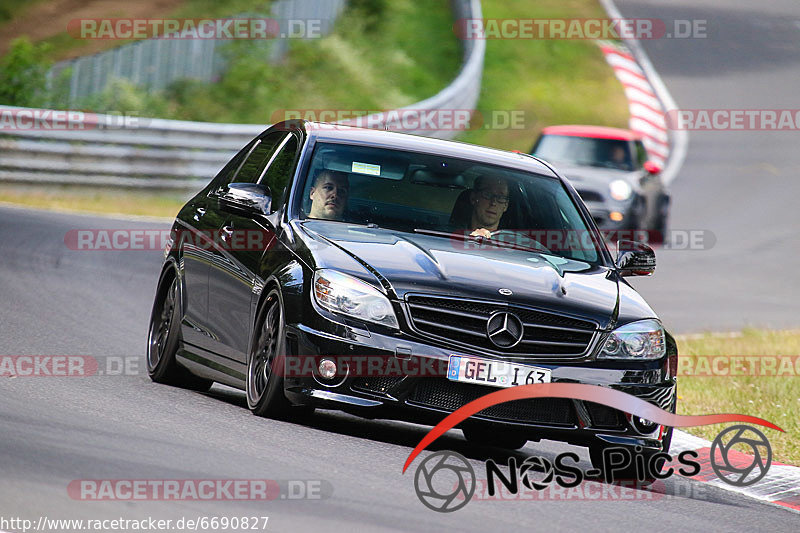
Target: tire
163,338
483,437
267,354
662,221
630,473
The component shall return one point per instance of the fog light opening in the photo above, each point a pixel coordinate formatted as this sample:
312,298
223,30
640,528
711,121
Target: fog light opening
616,216
327,369
329,374
642,425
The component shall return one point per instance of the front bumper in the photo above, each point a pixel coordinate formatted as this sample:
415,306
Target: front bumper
633,213
403,378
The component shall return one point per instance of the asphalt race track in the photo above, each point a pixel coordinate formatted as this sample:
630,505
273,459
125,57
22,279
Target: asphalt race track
57,301
741,186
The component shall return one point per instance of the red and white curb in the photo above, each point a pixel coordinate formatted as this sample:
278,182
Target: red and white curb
648,99
647,114
780,486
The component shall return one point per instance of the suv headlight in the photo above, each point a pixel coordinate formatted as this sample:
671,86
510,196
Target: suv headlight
620,190
638,340
343,294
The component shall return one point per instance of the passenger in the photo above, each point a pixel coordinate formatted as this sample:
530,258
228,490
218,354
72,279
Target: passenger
329,195
489,199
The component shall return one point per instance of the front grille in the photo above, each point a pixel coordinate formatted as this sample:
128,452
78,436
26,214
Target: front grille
605,417
378,384
590,196
449,396
464,322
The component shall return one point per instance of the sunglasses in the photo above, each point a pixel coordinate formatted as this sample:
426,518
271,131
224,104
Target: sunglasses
500,199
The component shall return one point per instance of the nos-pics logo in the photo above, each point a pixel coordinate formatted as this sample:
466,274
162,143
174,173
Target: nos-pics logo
445,481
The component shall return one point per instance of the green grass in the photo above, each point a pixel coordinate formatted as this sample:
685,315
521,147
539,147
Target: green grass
62,45
407,54
352,69
10,9
101,200
548,81
774,398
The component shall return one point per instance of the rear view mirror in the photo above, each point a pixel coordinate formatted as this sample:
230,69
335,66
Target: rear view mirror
635,259
250,196
652,168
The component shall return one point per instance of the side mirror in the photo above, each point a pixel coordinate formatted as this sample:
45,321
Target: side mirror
651,167
635,259
252,196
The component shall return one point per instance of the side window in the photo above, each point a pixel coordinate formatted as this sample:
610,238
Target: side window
258,158
280,172
224,177
641,154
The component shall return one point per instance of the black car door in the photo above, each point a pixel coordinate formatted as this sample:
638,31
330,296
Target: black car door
197,227
245,237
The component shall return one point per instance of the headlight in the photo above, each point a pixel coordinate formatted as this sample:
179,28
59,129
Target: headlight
638,340
340,293
620,190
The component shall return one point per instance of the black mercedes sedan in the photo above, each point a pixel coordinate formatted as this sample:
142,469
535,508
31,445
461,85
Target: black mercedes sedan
397,276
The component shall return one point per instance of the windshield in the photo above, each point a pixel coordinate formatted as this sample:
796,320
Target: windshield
585,151
435,195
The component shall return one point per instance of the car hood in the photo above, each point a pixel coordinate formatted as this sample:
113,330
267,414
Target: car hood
596,176
414,263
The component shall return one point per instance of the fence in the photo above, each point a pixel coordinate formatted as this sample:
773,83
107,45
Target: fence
155,63
158,153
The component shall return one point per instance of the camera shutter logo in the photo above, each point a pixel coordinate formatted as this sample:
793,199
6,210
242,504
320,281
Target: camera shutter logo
536,464
434,478
740,475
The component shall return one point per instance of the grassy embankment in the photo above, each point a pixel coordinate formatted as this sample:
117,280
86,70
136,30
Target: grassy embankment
377,58
772,393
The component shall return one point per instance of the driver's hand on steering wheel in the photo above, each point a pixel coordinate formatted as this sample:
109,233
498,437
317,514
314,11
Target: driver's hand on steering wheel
481,232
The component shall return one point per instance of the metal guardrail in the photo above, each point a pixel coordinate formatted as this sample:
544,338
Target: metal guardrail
159,153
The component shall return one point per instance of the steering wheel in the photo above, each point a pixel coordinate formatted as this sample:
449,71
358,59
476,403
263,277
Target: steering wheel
518,239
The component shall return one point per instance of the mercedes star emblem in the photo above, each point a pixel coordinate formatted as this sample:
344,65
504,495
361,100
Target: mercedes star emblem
504,329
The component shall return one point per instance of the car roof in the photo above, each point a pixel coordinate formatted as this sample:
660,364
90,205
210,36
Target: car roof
325,132
594,132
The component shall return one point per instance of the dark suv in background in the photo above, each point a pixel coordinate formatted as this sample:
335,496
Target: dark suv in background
612,173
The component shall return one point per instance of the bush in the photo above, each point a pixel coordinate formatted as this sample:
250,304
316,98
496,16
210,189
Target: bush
23,74
372,11
122,96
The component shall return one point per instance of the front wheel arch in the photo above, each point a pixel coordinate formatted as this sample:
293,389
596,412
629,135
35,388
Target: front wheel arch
166,369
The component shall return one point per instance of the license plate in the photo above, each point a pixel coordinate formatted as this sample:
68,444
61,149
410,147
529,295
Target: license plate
494,373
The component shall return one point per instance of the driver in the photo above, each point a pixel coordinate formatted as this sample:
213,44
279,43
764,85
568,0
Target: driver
329,195
618,157
489,199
